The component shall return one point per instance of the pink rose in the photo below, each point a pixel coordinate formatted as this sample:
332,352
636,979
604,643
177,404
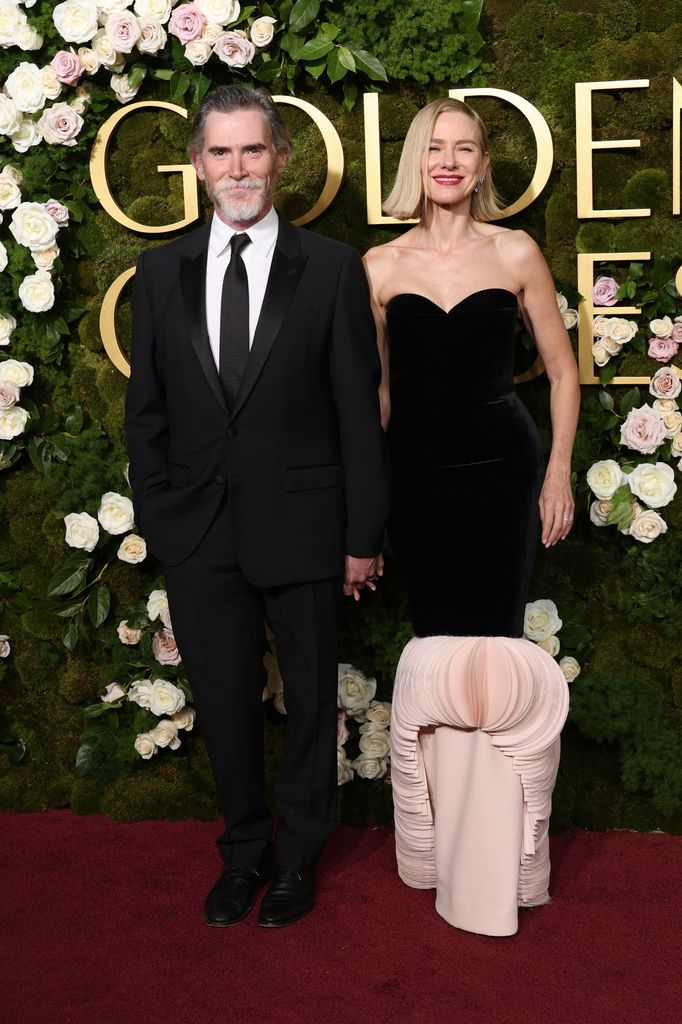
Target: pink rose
665,383
604,292
60,125
234,49
677,332
643,430
67,67
127,635
122,30
4,646
114,691
663,349
187,23
165,649
9,394
57,211
341,729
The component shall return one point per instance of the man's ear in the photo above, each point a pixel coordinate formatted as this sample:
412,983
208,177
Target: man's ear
282,157
198,166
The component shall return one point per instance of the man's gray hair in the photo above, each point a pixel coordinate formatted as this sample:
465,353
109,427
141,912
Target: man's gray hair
225,99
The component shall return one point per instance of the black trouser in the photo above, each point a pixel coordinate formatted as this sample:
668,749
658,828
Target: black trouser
219,622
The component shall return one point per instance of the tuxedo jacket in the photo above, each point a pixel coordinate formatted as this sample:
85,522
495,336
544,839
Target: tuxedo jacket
301,453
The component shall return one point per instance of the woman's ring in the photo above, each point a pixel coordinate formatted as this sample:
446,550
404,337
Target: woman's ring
568,519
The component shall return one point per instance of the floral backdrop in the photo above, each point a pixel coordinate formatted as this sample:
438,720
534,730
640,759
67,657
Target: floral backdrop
95,711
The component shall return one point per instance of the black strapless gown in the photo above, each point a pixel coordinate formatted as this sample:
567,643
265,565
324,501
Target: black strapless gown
468,465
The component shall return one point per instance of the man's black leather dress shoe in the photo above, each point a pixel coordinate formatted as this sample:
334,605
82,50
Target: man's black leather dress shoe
291,896
231,898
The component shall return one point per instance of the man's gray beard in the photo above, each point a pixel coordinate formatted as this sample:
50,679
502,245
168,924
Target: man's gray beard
242,210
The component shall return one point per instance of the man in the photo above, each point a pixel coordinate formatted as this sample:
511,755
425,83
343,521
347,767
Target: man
258,470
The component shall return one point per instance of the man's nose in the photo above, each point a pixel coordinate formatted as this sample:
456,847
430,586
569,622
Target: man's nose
237,169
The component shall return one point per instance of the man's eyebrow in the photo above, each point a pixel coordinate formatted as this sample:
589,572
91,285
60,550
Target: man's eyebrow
248,145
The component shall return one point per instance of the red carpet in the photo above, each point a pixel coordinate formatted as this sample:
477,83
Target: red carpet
102,924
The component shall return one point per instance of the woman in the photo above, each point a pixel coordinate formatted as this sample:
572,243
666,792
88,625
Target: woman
476,708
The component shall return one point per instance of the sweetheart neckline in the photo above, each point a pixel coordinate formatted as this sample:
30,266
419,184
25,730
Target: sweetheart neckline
446,312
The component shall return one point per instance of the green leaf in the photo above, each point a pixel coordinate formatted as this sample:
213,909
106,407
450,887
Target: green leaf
470,16
163,74
610,422
350,94
608,372
372,67
346,58
68,579
98,605
336,70
268,71
636,271
317,69
97,710
86,758
575,635
621,512
315,48
329,31
629,400
66,613
606,400
36,448
70,636
302,13
13,749
74,422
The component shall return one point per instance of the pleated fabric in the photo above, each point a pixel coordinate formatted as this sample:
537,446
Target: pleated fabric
475,731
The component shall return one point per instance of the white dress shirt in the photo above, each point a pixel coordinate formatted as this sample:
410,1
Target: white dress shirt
257,259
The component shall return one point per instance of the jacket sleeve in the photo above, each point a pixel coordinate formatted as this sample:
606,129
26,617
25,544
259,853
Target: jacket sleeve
356,374
146,420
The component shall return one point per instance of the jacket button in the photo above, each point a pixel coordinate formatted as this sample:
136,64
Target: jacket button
219,479
232,432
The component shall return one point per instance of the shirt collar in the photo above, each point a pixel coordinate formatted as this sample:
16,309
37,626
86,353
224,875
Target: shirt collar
263,234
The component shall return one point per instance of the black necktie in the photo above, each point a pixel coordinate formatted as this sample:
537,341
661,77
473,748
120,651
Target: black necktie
234,320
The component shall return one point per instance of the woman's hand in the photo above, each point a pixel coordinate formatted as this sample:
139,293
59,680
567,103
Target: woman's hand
557,508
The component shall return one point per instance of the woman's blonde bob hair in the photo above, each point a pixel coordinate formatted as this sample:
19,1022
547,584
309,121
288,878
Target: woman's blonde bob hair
406,198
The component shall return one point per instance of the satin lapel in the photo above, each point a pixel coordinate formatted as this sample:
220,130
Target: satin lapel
193,284
285,272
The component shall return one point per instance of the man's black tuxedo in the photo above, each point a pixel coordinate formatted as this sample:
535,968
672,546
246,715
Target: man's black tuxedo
252,510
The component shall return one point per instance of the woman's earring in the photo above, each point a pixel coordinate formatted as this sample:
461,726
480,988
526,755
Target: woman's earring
480,182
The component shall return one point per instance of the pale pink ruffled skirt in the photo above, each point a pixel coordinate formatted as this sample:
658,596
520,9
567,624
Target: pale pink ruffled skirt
475,750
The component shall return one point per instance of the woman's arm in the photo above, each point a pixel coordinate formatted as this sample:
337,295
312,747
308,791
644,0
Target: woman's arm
543,320
373,263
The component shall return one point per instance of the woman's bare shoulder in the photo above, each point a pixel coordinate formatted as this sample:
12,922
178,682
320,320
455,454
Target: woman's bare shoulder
516,244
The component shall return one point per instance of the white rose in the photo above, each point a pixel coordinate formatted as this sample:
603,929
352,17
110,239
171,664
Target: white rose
10,119
600,326
165,698
355,690
76,20
673,423
665,383
610,346
33,226
676,446
600,355
36,292
145,745
541,619
28,134
10,194
89,60
127,635
140,692
375,744
344,768
570,318
60,125
13,173
3,259
116,513
184,719
124,91
25,86
234,49
211,33
157,606
159,10
103,50
152,36
58,212
114,692
647,526
16,372
262,32
9,394
165,734
165,649
551,645
377,716
219,12
600,511
123,30
52,87
44,260
80,101
570,668
664,405
198,52
12,422
106,7
4,646
28,38
369,767
7,325
133,549
82,531
636,510
604,478
620,330
654,484
661,328
11,21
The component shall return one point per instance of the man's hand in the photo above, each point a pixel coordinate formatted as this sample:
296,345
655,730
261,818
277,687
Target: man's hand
361,573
